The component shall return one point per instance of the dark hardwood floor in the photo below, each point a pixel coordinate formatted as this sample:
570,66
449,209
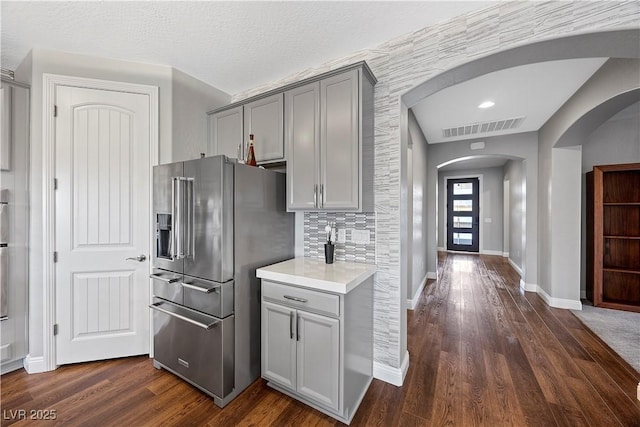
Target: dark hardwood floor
482,353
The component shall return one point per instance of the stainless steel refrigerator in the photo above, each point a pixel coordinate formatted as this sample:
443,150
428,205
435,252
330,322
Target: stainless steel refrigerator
216,222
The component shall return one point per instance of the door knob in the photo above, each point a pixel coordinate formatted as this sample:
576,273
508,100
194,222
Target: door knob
139,258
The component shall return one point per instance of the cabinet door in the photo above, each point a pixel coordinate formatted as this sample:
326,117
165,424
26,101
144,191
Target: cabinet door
339,142
225,133
279,344
318,358
264,119
302,137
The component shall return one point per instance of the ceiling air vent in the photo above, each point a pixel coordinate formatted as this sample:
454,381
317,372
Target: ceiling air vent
484,127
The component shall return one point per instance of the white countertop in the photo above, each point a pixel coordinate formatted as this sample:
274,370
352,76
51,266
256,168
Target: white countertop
340,277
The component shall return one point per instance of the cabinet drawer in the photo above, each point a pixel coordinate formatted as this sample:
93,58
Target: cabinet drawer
305,299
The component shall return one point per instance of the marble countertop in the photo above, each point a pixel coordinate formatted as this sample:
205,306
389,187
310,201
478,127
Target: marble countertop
340,277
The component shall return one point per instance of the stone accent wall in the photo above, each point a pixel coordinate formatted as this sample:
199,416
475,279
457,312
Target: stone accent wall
409,60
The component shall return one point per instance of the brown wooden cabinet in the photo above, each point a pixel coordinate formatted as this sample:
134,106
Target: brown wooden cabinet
613,236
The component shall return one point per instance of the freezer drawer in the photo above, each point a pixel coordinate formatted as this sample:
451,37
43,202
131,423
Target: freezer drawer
197,347
209,297
167,285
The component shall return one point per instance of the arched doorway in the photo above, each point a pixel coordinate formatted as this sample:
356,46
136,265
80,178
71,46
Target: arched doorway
540,241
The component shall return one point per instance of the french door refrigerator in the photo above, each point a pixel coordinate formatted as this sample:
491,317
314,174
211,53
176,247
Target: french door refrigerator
216,222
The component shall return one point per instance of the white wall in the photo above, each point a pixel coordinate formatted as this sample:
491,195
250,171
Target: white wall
192,99
491,207
31,70
616,141
514,174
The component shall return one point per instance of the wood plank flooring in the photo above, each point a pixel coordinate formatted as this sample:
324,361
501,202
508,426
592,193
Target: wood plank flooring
481,353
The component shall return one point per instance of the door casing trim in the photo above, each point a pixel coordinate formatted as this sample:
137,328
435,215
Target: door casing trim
49,83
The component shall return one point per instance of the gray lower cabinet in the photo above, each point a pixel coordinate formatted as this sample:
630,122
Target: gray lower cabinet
301,351
317,346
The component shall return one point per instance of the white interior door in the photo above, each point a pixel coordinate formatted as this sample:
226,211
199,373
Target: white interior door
102,209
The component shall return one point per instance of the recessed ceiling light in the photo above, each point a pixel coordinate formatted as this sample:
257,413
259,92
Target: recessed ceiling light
487,104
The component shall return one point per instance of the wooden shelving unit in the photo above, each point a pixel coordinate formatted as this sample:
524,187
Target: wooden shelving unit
613,236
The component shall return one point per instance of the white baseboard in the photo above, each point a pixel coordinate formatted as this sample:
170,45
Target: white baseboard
441,249
5,368
34,365
505,254
390,374
515,267
432,275
528,287
411,303
559,302
491,252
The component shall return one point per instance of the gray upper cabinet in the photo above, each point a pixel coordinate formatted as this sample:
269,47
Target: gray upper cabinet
321,126
303,157
339,142
264,119
225,133
329,140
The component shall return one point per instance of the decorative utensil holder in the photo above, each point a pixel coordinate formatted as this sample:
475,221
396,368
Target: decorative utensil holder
329,249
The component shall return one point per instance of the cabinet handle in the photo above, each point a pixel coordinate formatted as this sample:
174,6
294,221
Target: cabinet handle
239,152
291,324
315,195
298,328
321,195
295,298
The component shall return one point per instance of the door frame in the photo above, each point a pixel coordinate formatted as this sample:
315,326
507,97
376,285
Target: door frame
49,84
480,211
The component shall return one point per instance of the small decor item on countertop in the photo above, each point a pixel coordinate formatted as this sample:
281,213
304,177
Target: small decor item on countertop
251,156
329,247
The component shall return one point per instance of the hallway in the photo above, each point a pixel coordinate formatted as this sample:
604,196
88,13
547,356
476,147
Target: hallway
495,356
482,353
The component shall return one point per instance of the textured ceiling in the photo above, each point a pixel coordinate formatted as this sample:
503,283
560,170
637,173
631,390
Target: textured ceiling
234,46
535,91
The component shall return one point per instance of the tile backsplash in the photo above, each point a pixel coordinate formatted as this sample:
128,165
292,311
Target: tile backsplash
315,236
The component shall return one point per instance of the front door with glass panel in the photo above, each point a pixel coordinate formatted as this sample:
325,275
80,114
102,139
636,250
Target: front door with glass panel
463,214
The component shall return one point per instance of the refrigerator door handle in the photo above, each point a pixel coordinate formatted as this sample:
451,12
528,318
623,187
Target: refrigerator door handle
174,219
191,241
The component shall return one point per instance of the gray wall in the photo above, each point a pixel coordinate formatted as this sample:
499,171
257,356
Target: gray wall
192,99
418,232
31,70
13,331
523,146
513,174
616,141
612,88
491,207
